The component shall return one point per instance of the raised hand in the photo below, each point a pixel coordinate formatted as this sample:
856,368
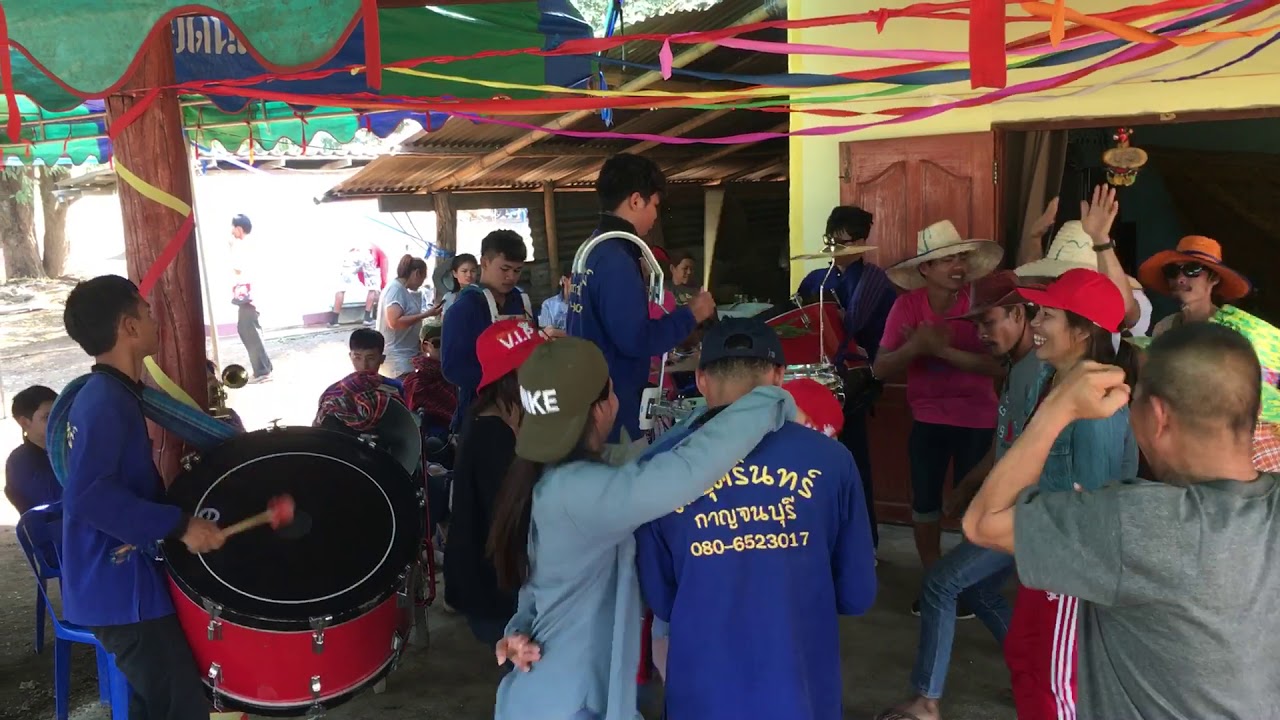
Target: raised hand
1045,221
1098,213
1090,391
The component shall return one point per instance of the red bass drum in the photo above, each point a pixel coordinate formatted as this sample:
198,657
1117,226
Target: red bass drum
297,620
798,330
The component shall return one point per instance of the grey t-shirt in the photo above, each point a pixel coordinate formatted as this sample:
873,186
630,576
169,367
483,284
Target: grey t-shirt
401,345
1178,619
1013,411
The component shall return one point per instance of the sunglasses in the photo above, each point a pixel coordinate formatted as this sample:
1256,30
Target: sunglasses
1187,270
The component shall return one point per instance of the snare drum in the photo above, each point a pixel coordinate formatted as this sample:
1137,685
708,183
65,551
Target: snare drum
798,330
292,621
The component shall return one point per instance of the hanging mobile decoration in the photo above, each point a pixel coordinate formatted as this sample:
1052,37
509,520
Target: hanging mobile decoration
1122,161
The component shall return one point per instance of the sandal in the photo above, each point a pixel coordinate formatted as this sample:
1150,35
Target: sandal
895,714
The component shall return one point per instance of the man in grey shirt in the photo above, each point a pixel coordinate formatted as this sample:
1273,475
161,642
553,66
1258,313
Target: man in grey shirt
1177,578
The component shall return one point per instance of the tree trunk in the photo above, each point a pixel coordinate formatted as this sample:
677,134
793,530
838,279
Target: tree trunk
56,245
18,225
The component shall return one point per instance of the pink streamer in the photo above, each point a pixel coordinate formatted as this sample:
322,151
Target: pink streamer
1135,52
665,58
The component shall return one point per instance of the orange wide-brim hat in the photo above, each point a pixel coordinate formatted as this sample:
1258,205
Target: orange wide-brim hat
1194,248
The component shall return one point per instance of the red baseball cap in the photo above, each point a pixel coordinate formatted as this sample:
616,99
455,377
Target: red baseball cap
822,411
504,346
660,254
1087,293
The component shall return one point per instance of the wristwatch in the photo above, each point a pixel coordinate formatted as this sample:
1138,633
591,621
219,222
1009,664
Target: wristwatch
1108,245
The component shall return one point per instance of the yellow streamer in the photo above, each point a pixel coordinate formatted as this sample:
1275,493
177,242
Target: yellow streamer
166,384
151,192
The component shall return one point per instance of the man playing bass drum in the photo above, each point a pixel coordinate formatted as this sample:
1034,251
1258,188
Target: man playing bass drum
866,296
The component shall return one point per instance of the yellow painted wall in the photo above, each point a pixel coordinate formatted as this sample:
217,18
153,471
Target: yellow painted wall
814,160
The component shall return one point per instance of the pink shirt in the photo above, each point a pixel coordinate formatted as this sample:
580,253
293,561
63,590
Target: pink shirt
656,311
937,391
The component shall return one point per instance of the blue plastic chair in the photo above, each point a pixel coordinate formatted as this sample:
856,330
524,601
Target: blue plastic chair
40,537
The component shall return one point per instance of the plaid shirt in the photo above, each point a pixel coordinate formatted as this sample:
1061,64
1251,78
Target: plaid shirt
1266,447
358,400
429,392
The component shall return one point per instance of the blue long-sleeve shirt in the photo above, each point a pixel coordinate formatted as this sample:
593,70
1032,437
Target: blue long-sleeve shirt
466,319
113,496
867,296
609,307
779,547
28,478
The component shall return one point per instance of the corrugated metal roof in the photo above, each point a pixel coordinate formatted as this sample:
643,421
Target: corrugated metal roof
423,159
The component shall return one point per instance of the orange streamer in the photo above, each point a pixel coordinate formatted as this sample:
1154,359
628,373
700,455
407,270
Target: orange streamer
1138,35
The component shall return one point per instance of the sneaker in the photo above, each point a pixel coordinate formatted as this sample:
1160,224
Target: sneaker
962,613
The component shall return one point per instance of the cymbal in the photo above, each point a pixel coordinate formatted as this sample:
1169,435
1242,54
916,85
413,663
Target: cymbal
832,251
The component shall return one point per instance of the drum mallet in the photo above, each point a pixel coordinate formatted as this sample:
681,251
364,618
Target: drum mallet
278,514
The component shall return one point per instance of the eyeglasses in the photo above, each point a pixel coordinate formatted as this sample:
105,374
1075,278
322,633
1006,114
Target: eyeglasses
1187,270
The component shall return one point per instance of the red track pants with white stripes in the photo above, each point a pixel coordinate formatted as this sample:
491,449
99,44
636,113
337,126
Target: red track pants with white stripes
1040,650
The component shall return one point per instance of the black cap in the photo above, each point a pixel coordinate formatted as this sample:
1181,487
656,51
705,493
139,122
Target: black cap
735,337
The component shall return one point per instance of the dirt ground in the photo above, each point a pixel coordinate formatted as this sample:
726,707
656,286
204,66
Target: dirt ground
452,677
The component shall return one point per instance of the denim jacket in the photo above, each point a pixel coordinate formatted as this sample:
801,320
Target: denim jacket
1090,453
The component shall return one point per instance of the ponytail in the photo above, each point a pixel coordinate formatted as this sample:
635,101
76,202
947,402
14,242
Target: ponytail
408,265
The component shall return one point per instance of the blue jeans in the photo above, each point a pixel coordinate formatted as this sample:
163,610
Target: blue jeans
970,574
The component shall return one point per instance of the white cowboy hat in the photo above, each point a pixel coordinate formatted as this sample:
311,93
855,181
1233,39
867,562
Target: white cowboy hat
1071,248
940,240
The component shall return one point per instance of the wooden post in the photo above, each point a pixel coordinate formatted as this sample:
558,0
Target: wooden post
446,227
553,242
712,205
153,148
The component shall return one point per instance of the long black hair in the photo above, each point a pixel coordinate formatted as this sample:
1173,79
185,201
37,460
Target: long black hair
508,544
502,394
1100,348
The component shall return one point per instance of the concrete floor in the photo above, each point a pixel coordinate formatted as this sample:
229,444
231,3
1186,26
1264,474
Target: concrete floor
454,677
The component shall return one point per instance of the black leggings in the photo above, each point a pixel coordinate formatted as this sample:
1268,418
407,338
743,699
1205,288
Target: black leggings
932,448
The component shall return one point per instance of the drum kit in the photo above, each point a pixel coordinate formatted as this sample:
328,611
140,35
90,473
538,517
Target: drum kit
811,334
298,619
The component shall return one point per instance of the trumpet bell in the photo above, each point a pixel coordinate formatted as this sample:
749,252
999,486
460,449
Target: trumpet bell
235,377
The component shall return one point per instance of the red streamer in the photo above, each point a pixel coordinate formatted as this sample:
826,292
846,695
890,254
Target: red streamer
13,125
372,44
987,60
132,114
167,255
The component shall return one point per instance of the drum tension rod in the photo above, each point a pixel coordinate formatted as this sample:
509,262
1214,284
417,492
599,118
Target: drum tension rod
215,623
215,679
316,710
318,624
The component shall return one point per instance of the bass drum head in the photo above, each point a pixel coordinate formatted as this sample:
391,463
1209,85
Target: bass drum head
358,522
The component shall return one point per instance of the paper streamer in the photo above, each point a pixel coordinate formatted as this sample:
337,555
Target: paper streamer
167,385
171,248
1138,35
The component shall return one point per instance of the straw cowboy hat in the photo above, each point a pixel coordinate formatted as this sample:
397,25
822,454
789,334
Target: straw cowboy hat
1071,248
1194,249
941,240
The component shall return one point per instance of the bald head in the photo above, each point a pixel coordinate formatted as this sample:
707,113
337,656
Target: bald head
1208,376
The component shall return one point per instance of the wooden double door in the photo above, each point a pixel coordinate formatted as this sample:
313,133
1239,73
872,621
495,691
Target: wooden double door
909,184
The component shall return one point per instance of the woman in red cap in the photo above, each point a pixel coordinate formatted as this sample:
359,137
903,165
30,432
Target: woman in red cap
1078,313
487,448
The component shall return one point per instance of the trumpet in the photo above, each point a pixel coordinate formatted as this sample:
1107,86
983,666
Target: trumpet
233,377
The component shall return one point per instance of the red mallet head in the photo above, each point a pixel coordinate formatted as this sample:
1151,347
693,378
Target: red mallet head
281,509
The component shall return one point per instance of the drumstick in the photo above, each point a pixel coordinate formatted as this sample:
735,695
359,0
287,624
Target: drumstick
279,513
